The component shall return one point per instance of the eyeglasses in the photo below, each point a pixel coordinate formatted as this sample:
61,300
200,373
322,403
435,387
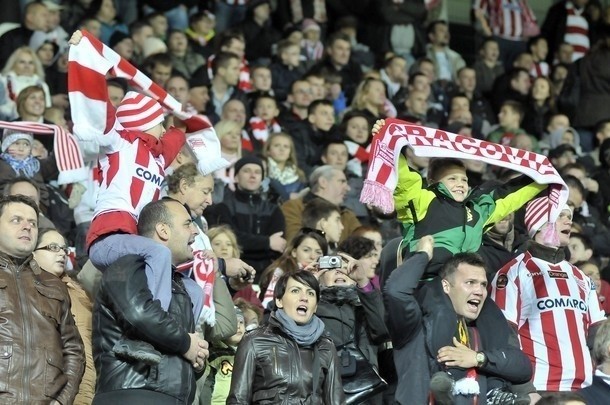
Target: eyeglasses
54,247
312,230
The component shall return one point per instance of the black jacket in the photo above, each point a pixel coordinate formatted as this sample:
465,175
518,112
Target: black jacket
597,393
343,308
421,320
259,38
125,308
13,39
309,143
254,219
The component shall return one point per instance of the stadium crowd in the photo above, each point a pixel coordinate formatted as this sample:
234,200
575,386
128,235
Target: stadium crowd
181,219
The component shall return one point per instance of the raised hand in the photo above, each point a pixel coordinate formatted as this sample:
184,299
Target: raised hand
378,125
76,37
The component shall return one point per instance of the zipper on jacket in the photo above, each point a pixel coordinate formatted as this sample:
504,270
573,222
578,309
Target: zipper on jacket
26,313
274,351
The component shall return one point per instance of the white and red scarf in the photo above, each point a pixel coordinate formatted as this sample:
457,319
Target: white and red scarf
245,83
359,156
202,270
382,176
261,130
89,61
67,152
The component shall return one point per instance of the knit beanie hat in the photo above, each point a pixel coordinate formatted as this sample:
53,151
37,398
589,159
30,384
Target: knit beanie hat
310,24
250,159
537,214
9,137
138,112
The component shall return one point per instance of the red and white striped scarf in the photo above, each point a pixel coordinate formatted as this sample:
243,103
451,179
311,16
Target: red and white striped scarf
89,61
94,116
312,51
260,130
382,177
359,157
244,84
67,152
246,142
540,69
201,269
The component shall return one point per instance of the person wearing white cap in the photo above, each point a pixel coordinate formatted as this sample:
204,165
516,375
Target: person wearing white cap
551,303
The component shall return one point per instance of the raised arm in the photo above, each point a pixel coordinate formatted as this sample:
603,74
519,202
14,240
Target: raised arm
92,112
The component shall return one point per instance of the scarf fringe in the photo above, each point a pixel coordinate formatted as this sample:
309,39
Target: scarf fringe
466,386
208,316
378,195
428,142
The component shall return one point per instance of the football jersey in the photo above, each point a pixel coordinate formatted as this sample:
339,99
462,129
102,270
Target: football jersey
552,306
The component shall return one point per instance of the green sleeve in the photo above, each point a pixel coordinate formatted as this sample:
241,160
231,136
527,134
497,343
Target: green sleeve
409,191
512,196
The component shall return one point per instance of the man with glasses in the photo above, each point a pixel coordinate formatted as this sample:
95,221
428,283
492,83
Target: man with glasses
42,357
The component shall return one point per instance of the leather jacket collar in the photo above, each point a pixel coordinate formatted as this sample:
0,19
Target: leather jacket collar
7,260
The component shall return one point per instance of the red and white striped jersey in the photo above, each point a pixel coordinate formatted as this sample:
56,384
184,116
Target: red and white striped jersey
506,17
552,306
132,169
577,31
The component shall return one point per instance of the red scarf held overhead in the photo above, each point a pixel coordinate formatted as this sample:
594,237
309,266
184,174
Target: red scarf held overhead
387,144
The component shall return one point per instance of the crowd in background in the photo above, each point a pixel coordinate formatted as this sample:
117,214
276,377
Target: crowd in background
293,89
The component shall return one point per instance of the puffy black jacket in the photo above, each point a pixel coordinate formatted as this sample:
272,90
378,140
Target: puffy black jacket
254,219
125,309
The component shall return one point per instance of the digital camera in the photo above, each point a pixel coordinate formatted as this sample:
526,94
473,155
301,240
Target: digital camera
330,262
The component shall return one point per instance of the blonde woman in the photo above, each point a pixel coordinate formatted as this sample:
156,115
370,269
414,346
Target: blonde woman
224,245
370,98
22,69
229,135
282,163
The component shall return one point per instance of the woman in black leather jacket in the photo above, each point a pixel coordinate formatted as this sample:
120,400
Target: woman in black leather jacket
290,360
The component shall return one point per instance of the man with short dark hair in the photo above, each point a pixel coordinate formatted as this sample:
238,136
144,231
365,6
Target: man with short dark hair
35,18
258,223
312,133
447,335
42,358
337,60
26,187
223,87
126,313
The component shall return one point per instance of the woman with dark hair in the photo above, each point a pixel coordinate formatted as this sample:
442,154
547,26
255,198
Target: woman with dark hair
105,12
540,107
306,247
350,307
289,360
